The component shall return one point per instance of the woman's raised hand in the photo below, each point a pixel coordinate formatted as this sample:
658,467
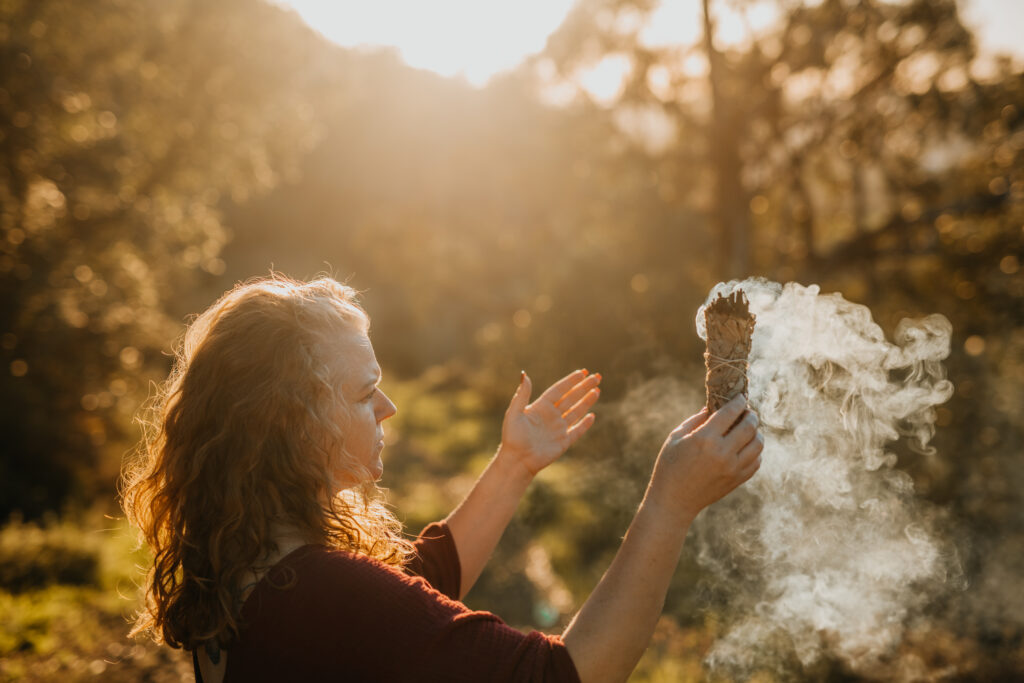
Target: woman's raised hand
536,434
705,458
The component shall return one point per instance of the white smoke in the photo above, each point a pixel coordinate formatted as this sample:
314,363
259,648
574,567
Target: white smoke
826,549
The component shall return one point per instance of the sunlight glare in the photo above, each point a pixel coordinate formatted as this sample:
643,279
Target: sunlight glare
450,37
476,40
607,79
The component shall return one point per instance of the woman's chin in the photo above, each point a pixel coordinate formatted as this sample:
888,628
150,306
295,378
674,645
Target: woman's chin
347,480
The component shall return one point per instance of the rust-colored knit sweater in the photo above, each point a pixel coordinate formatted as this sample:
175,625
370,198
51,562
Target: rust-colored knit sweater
347,617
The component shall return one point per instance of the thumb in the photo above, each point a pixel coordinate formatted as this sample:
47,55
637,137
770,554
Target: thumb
521,398
692,423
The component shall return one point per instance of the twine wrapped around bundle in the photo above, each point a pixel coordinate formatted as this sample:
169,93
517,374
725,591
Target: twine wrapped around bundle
729,324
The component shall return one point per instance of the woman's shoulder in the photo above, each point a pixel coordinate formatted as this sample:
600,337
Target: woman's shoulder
325,605
317,577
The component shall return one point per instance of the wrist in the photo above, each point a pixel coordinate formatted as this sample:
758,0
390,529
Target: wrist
669,502
512,466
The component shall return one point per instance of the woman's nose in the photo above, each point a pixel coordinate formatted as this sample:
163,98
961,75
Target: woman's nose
387,408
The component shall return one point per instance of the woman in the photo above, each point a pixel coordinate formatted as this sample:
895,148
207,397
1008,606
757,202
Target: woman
276,559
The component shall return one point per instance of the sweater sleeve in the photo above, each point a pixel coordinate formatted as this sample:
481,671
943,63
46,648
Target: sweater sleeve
437,560
478,646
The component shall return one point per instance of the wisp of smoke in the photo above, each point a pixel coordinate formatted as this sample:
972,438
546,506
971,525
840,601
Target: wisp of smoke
826,549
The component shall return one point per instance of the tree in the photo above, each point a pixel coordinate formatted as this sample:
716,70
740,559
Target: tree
124,128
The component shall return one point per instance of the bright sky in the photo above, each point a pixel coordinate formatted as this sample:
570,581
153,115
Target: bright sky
473,38
476,39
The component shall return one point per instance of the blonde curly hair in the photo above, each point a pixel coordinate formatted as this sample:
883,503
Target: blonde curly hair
235,443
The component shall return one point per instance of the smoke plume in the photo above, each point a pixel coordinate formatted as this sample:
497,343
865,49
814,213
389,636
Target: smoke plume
827,549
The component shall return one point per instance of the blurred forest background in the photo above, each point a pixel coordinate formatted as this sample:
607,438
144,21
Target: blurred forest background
154,153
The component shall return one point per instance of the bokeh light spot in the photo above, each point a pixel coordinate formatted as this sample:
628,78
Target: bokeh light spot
945,224
911,211
118,387
965,290
974,345
130,357
759,205
489,333
639,283
522,318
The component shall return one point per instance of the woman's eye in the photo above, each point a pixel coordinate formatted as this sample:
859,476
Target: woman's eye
371,395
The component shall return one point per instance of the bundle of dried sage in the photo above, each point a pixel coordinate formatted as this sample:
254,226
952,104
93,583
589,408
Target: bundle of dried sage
729,324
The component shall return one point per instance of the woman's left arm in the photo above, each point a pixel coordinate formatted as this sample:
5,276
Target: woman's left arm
533,436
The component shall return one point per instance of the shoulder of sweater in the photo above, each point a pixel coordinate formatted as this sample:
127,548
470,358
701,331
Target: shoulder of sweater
313,558
319,567
321,580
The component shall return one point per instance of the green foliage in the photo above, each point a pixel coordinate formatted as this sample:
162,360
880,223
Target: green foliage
124,124
33,557
68,615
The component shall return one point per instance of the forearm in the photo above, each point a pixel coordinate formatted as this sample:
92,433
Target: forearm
481,518
611,631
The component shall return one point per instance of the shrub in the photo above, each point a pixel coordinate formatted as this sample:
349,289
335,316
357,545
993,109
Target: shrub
35,556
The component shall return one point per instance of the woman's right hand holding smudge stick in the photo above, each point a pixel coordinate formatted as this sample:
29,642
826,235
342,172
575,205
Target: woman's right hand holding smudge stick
705,458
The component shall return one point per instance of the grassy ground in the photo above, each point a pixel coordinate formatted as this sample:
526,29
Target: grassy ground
66,596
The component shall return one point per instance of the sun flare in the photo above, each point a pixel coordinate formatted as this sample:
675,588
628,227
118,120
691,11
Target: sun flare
476,40
466,38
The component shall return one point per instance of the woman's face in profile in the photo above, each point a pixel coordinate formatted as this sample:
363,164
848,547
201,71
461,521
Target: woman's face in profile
367,407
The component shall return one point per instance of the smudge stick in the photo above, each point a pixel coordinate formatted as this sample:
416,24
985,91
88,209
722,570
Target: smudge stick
729,325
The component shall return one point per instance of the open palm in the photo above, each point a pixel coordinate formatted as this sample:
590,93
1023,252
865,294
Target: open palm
538,433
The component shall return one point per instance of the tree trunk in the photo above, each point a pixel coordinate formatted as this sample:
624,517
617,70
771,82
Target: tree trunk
731,211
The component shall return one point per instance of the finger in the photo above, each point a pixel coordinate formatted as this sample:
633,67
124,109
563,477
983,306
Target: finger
724,417
750,452
558,389
741,434
580,428
521,398
691,423
750,470
577,392
582,406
